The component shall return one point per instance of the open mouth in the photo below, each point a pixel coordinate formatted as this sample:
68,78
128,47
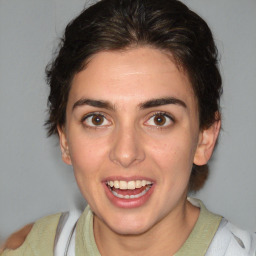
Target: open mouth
129,189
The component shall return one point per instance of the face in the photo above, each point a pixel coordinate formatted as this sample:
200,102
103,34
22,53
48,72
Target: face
132,135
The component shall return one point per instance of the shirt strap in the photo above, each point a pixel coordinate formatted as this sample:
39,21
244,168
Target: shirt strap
65,234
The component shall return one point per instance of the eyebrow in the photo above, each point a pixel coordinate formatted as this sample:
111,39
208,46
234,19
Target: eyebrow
162,101
93,103
144,105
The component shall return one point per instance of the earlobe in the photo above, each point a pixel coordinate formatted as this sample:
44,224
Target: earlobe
64,146
206,143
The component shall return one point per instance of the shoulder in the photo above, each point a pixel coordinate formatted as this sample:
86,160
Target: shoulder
233,241
17,238
38,236
227,239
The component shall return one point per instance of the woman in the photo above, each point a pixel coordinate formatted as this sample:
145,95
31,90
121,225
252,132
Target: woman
134,99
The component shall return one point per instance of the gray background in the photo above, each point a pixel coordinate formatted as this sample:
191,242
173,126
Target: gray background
33,180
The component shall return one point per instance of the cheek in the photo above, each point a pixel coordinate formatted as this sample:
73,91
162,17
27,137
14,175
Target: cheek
173,156
87,155
87,161
172,150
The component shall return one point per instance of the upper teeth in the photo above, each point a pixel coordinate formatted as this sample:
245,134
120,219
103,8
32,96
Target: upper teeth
128,184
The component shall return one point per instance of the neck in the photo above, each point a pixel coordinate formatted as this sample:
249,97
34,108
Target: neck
164,238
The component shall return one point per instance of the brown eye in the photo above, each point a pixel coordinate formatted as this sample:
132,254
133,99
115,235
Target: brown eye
159,119
97,119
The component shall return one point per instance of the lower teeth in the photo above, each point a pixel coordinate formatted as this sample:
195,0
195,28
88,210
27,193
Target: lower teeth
131,196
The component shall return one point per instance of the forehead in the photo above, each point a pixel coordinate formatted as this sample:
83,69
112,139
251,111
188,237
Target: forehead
131,76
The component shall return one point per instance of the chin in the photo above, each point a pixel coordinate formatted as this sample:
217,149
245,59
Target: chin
129,226
129,231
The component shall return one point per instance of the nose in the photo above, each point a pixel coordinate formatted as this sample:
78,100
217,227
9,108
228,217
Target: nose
127,149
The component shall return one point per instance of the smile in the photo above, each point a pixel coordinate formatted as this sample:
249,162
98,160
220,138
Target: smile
129,189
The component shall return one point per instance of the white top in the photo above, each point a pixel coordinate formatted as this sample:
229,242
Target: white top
229,240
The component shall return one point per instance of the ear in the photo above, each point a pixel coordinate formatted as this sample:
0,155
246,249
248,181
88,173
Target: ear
206,143
64,146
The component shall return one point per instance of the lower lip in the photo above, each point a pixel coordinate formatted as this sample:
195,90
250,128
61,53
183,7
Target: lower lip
128,203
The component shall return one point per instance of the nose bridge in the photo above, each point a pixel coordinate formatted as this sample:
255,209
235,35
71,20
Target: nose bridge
126,149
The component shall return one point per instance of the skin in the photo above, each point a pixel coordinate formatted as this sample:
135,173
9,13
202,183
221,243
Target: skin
17,238
130,143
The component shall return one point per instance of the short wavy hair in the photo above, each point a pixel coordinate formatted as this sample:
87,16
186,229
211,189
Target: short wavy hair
167,25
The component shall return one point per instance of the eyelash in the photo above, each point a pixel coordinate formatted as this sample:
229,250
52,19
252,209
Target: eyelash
153,115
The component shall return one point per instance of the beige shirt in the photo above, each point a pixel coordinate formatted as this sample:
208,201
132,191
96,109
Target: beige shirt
40,241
